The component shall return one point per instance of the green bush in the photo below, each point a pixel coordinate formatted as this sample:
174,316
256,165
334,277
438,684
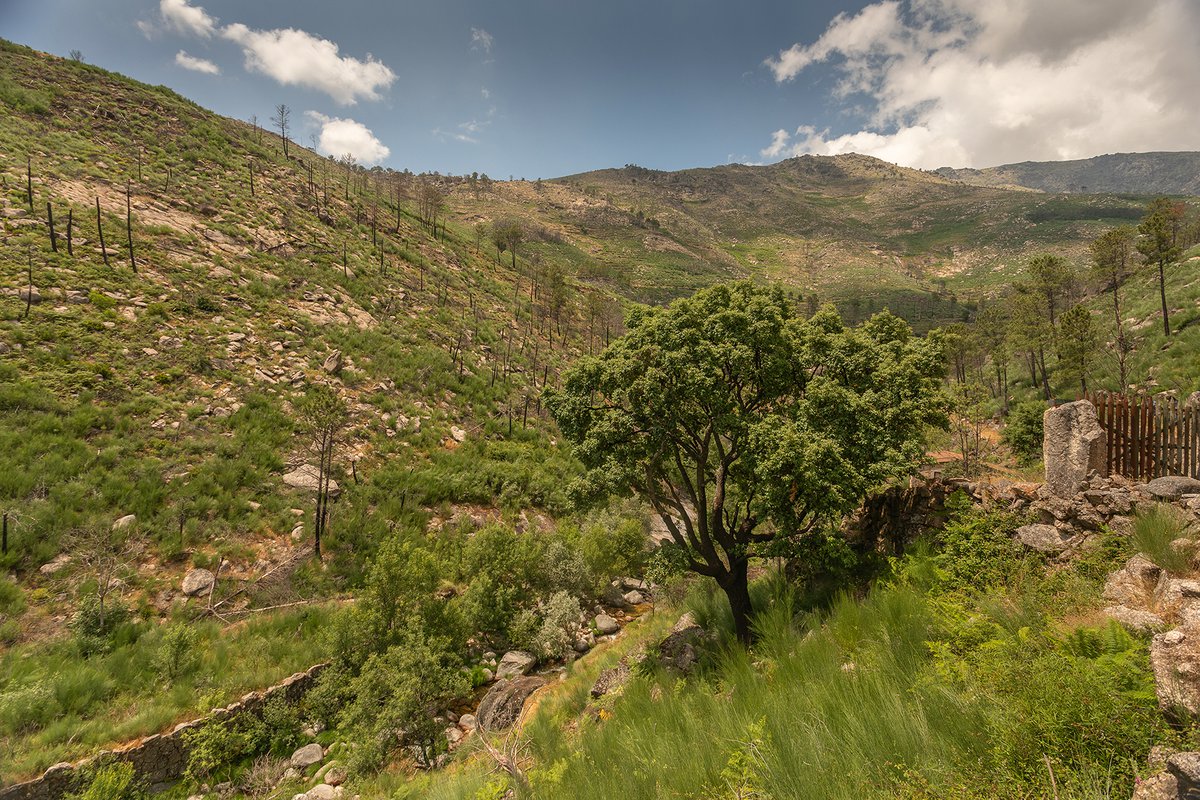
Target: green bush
176,652
1023,430
12,599
112,782
214,748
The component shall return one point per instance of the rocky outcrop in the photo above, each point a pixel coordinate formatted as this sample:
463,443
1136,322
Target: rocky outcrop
502,705
611,680
1172,487
306,476
1044,538
514,663
678,652
197,581
1074,446
1175,660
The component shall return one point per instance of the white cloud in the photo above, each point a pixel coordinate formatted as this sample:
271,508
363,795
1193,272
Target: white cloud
296,58
196,64
189,20
290,56
482,39
485,93
339,137
985,82
457,136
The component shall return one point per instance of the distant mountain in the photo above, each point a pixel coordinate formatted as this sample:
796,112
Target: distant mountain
1119,173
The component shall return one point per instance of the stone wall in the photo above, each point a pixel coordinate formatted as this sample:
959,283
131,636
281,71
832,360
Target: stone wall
160,760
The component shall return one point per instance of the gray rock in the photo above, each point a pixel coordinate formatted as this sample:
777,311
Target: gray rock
306,476
634,598
127,521
1043,538
458,434
197,581
30,294
306,756
1185,768
1175,661
467,722
614,596
1133,584
606,624
333,362
610,680
55,564
677,652
1172,487
514,663
1134,618
1074,445
1162,786
502,705
322,791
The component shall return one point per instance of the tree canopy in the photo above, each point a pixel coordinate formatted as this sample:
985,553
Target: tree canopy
745,425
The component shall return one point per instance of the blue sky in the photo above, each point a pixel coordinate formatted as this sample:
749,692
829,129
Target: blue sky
541,88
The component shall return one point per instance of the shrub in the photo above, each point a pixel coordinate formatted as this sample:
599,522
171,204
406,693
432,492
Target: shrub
1023,431
215,747
12,599
95,631
176,653
27,707
112,782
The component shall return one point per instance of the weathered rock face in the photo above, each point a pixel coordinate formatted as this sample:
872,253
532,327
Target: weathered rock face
1175,659
514,663
306,476
1158,787
1134,584
197,581
610,680
677,652
307,755
1135,619
502,705
1185,768
333,363
1074,446
1172,487
1044,538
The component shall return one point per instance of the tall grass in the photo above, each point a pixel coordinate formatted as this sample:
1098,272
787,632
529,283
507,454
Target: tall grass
1154,530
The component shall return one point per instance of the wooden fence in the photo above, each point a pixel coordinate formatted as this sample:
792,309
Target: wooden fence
1149,435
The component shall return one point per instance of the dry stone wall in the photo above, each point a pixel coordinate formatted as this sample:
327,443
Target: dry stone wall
160,760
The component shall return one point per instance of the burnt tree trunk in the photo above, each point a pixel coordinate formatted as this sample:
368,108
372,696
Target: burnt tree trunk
100,231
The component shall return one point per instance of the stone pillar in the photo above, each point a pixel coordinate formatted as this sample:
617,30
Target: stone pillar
1074,445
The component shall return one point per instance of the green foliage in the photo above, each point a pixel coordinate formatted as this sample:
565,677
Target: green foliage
1155,528
216,747
176,652
12,599
96,630
755,414
116,781
976,551
283,724
1023,431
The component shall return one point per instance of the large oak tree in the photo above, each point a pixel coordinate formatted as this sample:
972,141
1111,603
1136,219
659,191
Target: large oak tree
745,425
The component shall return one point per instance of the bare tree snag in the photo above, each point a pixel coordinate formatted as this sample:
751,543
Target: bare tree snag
70,226
129,227
29,181
100,230
29,290
50,221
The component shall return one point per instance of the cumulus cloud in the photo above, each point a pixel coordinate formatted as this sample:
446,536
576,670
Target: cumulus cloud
178,16
985,82
297,58
482,39
339,137
290,56
196,64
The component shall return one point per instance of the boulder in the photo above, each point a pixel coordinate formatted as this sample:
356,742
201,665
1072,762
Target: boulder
1135,619
1175,660
634,598
197,581
1162,786
514,663
502,705
467,722
677,652
127,521
306,476
1173,595
1172,487
333,363
30,294
1134,583
606,624
610,680
55,564
1043,538
306,756
322,791
458,434
1073,446
1185,768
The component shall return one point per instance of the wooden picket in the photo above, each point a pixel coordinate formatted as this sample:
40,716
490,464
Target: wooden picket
1149,435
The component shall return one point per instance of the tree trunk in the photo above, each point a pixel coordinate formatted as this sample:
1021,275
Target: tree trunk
1162,292
736,586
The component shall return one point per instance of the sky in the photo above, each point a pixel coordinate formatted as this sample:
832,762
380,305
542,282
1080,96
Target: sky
544,88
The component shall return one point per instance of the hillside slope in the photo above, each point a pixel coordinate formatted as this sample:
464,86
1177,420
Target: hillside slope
1119,173
853,229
